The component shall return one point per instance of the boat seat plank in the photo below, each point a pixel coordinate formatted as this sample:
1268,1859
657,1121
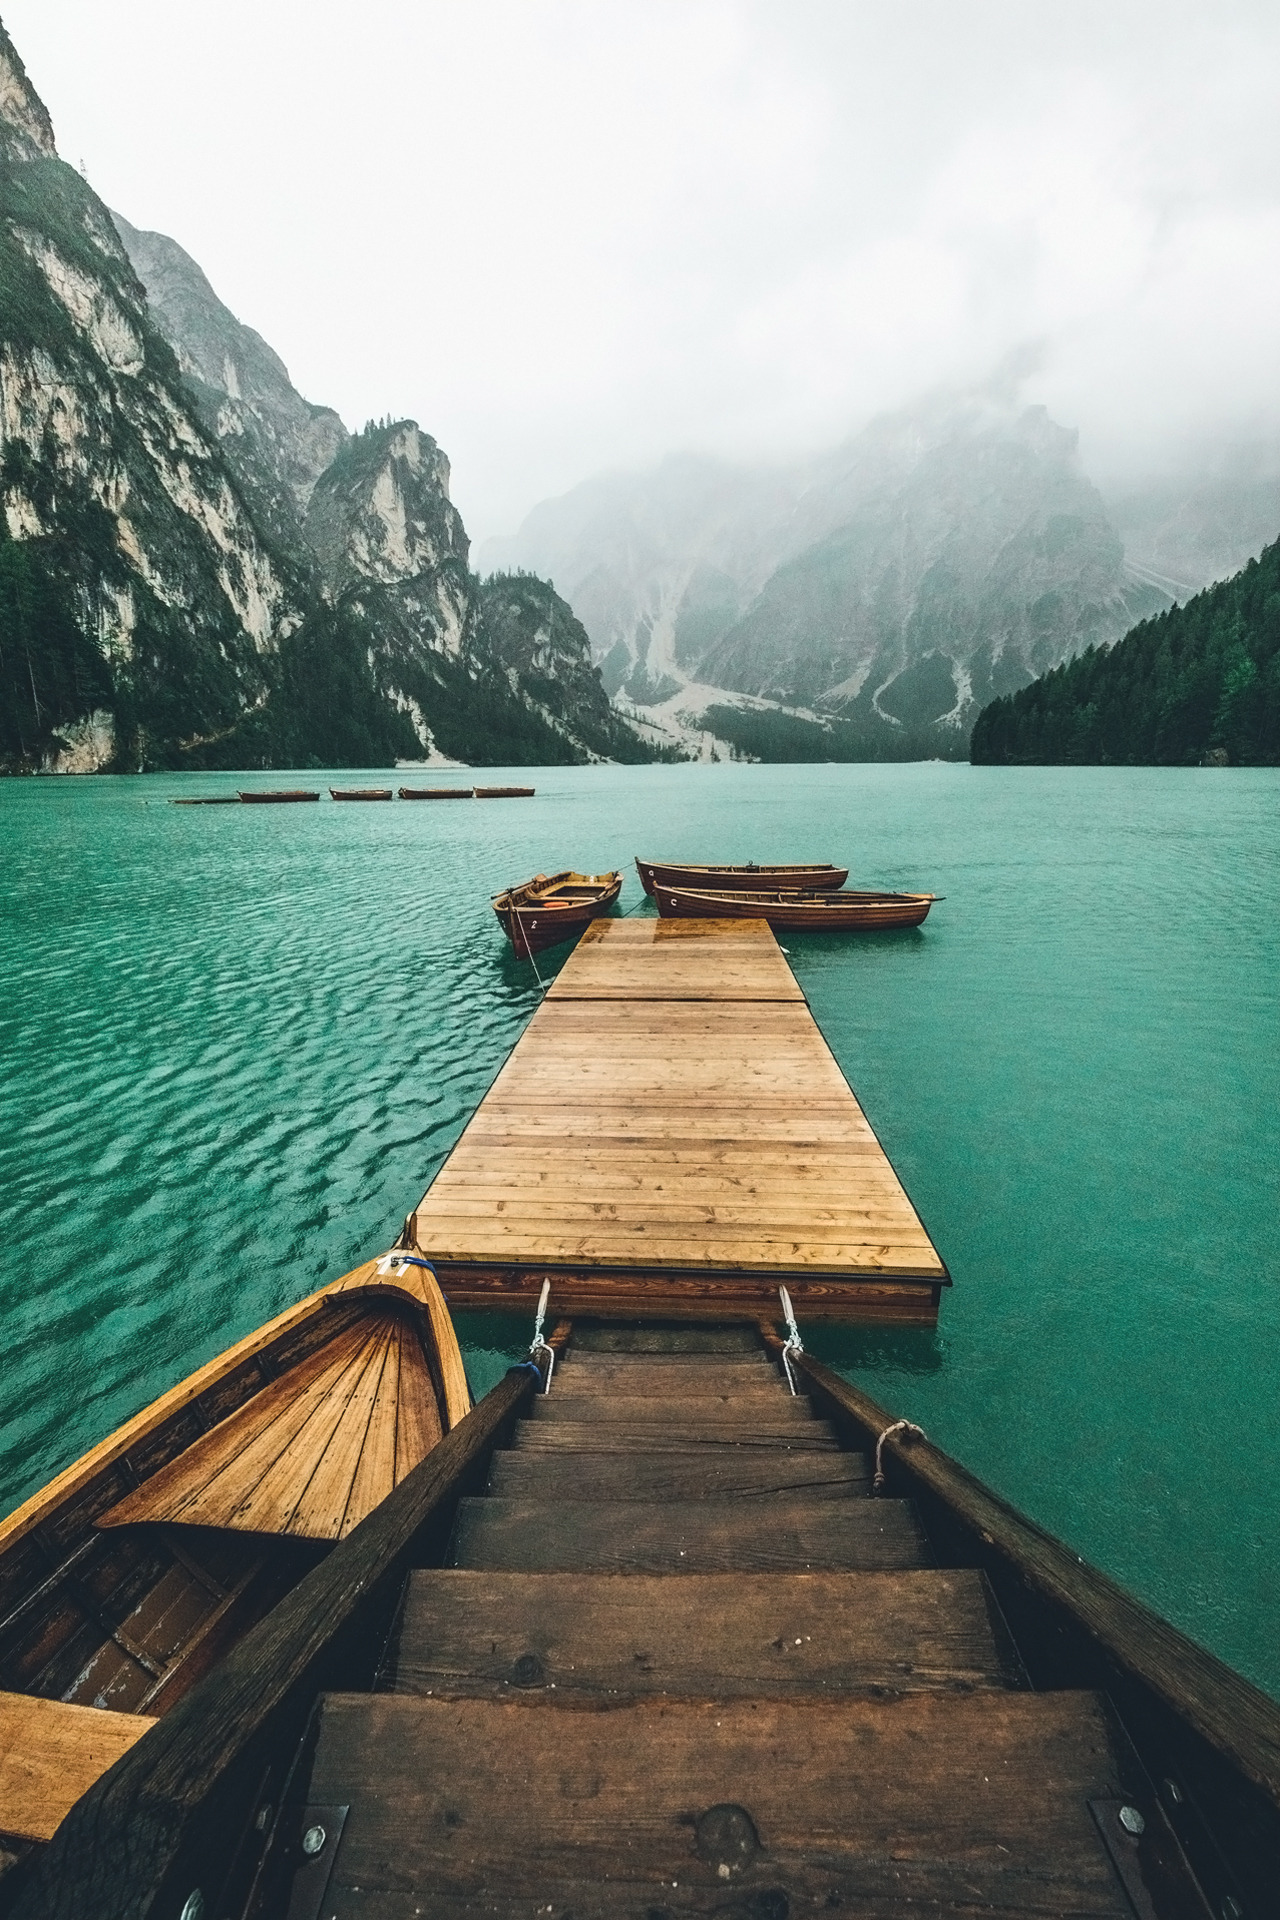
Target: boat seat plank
525,1473
930,1803
708,1535
51,1753
312,1453
723,1635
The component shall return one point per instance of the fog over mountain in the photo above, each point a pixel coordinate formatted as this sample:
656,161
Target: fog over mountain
575,238
948,553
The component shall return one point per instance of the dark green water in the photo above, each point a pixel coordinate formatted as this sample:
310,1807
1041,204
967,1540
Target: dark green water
236,1043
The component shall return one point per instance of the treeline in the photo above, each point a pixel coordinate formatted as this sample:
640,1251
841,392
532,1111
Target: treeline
762,733
1193,685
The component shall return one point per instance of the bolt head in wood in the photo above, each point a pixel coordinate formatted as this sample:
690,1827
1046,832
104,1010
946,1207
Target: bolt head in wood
313,1841
726,1837
1131,1820
193,1906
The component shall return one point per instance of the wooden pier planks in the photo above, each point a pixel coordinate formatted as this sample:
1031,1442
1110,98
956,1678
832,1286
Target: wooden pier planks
673,1126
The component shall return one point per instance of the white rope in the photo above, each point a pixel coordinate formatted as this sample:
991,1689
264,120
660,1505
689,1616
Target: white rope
899,1426
538,1344
793,1342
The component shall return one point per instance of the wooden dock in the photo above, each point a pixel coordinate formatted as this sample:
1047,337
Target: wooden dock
672,1132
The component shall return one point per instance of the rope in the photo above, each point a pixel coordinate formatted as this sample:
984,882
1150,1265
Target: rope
538,1344
899,1426
793,1342
405,1260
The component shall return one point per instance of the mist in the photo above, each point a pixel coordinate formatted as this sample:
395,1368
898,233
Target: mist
569,236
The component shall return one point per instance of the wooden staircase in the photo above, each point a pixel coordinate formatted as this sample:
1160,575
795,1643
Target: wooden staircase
684,1662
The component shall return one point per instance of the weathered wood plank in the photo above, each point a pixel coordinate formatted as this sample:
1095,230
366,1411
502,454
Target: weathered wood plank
693,1536
717,1635
528,1473
674,1436
773,1407
50,1754
929,1803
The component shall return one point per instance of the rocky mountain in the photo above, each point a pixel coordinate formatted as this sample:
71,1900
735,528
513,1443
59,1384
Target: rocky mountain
198,567
277,443
885,590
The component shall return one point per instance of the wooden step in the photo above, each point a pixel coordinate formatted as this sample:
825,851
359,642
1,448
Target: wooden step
687,1536
651,1339
672,1383
775,1406
617,1436
723,1635
668,1366
528,1473
936,1804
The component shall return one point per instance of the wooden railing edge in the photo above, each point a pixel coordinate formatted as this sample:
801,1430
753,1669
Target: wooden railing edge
126,1849
1238,1720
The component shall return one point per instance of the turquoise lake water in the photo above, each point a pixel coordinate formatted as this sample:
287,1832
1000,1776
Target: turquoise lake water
235,1044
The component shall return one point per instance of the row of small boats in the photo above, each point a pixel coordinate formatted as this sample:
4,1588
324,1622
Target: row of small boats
552,908
286,795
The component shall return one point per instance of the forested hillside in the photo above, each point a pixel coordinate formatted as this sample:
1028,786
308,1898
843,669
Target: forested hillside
1198,682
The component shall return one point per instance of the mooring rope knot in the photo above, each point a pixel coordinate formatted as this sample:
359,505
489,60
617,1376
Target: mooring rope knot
538,1344
899,1426
793,1343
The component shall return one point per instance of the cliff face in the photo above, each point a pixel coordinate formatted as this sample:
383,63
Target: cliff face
944,554
275,442
197,566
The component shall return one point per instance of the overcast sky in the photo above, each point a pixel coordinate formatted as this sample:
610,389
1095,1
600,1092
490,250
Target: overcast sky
567,235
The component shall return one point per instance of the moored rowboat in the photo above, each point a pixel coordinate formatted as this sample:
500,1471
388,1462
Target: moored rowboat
551,908
833,912
505,793
436,793
276,799
745,879
360,793
138,1567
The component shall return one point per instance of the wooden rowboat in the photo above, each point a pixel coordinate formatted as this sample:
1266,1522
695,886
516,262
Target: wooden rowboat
555,907
436,793
276,799
834,912
749,878
137,1568
505,793
360,793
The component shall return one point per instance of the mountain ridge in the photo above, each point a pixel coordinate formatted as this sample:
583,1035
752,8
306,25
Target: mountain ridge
198,567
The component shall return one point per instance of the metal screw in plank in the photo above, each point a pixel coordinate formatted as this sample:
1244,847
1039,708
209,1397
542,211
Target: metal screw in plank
1131,1820
313,1841
193,1906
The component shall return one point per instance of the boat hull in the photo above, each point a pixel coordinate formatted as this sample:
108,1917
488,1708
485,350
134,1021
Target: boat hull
824,913
505,793
360,793
436,793
744,879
